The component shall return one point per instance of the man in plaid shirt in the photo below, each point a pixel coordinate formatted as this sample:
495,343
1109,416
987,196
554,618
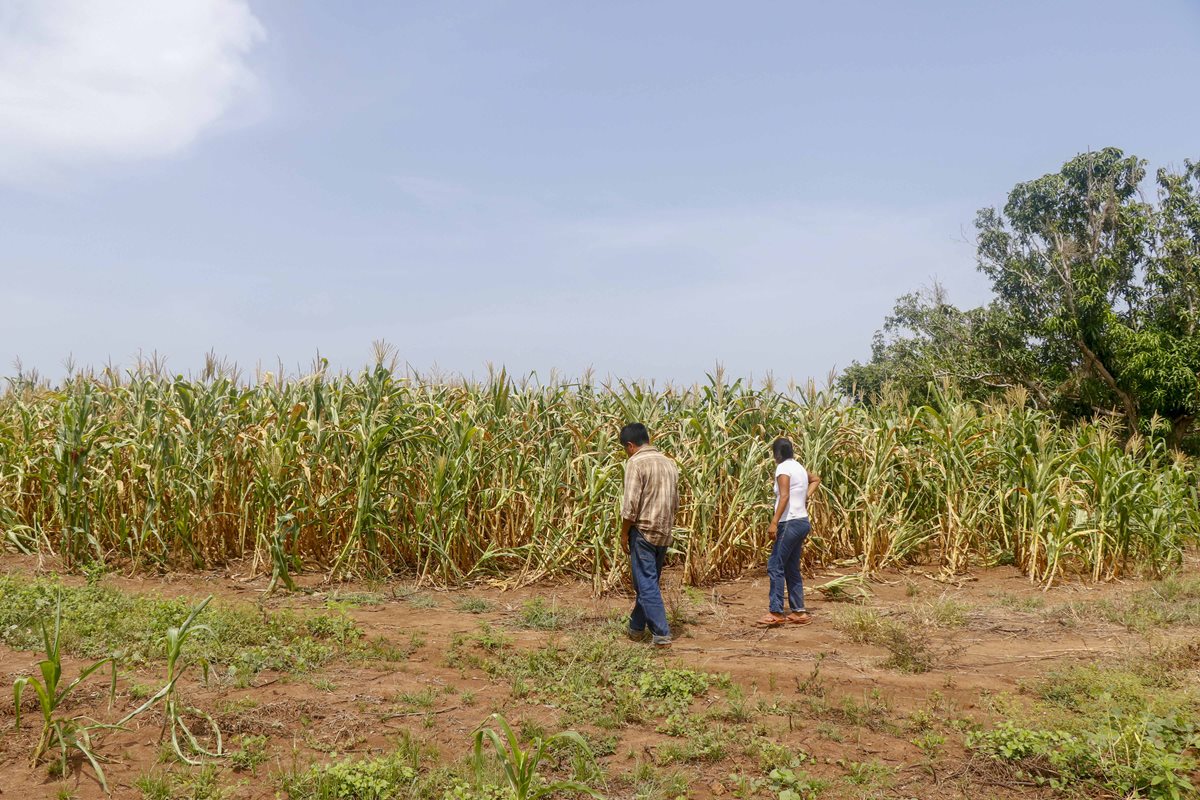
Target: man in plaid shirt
648,509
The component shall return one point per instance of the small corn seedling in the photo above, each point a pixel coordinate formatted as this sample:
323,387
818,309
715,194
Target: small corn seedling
521,766
63,733
183,741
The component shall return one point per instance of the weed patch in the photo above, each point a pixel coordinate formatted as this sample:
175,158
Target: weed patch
596,677
703,746
908,644
381,778
646,781
473,605
98,622
944,612
1111,729
538,615
200,784
1166,603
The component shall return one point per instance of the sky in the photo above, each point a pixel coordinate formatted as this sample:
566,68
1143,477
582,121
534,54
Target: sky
642,189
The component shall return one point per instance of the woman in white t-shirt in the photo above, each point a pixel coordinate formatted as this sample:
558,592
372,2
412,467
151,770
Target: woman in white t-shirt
790,527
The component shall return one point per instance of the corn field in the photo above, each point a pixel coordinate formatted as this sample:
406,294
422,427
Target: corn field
449,481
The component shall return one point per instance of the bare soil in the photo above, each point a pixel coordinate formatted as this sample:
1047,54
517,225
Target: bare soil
350,707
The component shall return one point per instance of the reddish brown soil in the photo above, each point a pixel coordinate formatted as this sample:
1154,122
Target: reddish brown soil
352,709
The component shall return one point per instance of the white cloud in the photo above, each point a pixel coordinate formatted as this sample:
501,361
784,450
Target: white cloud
90,81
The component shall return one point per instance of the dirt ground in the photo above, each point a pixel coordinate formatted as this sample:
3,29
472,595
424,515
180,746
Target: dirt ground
349,707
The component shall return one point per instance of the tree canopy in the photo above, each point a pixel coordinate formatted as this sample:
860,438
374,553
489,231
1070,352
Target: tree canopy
1095,307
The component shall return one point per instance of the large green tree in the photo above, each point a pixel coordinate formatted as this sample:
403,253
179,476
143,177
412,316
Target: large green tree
1096,301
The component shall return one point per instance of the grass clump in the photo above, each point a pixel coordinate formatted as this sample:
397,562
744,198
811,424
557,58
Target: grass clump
341,601
473,605
647,781
99,621
867,774
702,746
1172,601
423,601
908,644
380,648
198,784
945,612
424,699
538,615
1027,603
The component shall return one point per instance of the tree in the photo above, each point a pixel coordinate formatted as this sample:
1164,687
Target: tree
928,338
1096,300
1173,303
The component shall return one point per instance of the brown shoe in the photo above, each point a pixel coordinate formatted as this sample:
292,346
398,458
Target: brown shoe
771,621
799,618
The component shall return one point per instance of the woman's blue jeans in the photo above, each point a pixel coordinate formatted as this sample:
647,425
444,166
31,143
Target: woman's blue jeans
783,567
646,562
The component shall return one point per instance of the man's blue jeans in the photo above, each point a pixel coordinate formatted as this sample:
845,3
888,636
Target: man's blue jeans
783,567
646,562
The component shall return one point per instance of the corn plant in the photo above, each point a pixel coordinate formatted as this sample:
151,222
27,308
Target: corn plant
58,731
520,766
514,480
184,742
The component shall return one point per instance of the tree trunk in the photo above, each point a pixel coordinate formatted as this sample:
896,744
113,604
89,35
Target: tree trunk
1180,428
1101,371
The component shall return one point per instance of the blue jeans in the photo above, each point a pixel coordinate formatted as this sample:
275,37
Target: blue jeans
783,567
646,562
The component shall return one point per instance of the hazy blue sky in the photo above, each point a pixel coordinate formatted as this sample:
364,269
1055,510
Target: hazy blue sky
645,188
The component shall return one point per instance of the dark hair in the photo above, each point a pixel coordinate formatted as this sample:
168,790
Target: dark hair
782,450
635,433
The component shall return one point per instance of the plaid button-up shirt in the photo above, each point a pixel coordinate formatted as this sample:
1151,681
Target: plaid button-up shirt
651,496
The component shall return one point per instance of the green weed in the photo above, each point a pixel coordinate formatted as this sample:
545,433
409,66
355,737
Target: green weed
1110,728
796,785
537,614
867,773
251,751
99,621
423,601
381,778
474,605
646,781
202,784
701,746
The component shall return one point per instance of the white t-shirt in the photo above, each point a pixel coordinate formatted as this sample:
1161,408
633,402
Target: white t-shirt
797,497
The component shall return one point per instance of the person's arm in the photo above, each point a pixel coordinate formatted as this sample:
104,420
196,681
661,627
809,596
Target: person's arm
814,480
784,482
625,526
631,502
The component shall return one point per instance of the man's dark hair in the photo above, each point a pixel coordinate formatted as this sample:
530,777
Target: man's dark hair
635,433
782,450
